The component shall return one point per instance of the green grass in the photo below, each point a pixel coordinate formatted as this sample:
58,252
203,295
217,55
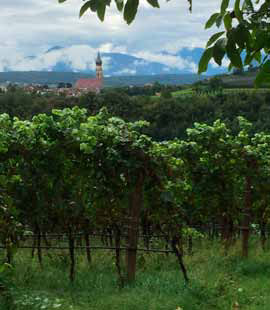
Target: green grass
216,282
183,92
190,92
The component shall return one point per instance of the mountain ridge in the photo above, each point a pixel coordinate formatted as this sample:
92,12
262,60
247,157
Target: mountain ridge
41,77
81,58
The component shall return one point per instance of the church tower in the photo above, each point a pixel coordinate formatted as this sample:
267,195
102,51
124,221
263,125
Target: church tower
99,74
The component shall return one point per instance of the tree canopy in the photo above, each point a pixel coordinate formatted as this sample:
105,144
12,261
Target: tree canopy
245,37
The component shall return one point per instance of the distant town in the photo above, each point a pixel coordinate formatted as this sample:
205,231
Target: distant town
83,85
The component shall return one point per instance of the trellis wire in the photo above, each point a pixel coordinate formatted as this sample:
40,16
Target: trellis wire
92,247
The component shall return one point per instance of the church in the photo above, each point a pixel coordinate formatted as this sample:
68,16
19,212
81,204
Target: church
92,85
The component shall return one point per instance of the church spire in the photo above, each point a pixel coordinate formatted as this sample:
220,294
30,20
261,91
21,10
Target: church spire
98,60
99,73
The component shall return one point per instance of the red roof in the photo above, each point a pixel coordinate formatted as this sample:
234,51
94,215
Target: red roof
91,84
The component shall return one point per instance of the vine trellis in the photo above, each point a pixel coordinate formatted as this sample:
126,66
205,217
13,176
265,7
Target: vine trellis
70,173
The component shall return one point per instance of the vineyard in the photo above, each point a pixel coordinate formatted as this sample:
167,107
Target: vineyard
205,92
86,183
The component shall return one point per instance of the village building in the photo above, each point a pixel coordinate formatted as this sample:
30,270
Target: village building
92,85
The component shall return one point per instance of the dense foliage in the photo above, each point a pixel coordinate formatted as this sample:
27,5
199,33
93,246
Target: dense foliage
169,117
246,34
71,173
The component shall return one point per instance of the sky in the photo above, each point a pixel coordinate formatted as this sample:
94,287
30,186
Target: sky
31,27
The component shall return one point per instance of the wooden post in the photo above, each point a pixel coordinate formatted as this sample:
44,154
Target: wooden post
263,233
88,251
136,202
72,256
246,217
33,247
179,255
39,247
118,255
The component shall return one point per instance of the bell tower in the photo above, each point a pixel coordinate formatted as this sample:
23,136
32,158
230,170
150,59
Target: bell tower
99,74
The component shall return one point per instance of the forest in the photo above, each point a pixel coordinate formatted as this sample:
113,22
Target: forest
168,116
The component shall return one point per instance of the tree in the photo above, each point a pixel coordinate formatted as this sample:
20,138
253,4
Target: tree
166,94
245,38
61,85
215,84
246,33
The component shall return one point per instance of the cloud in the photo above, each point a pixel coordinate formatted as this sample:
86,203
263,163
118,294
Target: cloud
82,58
141,62
171,61
35,25
110,48
126,72
30,27
77,57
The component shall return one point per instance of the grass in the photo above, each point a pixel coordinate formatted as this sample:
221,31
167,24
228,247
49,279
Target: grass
183,92
190,92
217,282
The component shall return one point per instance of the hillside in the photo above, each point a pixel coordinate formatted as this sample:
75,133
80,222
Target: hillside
71,77
245,80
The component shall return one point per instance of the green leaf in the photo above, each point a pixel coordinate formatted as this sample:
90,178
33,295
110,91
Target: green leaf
190,5
214,38
233,54
258,56
246,35
85,7
227,21
130,10
211,20
219,20
248,59
61,1
264,75
238,37
4,267
101,9
93,5
219,51
120,5
204,61
264,7
224,6
154,3
248,5
237,10
261,39
241,36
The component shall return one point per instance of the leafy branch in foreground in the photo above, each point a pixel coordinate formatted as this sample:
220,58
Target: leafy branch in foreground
246,37
128,7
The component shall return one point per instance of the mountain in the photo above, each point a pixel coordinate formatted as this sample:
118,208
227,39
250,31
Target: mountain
194,55
54,48
81,59
113,81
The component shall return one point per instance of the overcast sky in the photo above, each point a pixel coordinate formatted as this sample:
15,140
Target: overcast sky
30,27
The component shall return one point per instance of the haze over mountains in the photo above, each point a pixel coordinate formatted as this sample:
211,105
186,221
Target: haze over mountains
81,58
